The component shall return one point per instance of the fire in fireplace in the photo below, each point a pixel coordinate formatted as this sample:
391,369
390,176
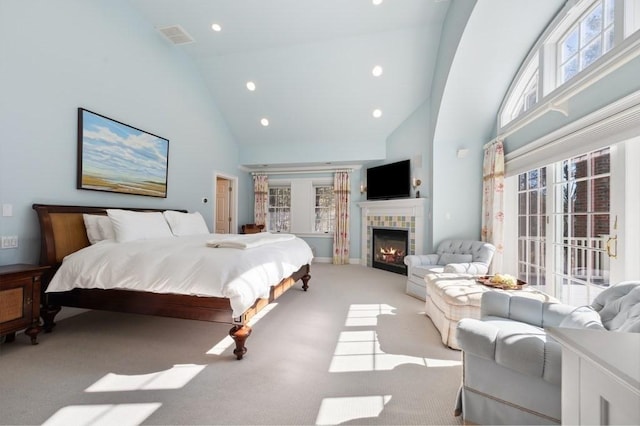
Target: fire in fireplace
389,249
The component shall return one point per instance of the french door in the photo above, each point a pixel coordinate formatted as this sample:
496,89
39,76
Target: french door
566,231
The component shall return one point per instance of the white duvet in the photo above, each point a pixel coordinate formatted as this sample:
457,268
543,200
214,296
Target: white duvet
184,265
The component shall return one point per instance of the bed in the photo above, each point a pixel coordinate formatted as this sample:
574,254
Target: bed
63,234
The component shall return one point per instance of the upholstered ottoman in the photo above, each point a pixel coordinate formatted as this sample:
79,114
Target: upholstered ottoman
451,297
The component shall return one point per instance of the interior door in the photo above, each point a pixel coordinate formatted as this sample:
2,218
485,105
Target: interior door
223,206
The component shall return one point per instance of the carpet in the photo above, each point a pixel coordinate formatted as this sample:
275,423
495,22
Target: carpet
354,349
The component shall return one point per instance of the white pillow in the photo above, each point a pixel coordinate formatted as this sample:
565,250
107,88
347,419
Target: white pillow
106,228
91,225
186,223
130,225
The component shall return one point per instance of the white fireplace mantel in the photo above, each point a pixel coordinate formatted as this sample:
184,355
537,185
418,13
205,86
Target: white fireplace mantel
412,209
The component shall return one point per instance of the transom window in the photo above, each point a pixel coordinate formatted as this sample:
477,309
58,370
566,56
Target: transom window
581,34
590,38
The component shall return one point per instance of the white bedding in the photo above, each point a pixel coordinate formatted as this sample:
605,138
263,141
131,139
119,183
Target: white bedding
184,265
248,241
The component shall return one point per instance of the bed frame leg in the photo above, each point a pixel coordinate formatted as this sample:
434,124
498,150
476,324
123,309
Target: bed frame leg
48,313
240,333
305,281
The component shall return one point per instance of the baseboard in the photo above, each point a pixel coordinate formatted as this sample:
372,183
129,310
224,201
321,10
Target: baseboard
352,261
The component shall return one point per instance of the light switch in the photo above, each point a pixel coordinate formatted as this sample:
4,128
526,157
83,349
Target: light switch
7,210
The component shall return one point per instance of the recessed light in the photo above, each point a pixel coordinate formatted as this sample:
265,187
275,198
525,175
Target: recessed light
251,86
377,113
264,122
376,2
377,71
216,27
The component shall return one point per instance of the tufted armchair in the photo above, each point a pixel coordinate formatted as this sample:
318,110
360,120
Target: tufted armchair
457,256
512,370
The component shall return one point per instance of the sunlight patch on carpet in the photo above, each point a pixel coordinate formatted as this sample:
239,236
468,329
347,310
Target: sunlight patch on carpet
334,411
102,414
174,378
361,351
367,314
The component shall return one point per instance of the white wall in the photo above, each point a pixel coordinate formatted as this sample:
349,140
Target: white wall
58,56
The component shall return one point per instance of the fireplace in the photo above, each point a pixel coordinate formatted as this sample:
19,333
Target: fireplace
389,249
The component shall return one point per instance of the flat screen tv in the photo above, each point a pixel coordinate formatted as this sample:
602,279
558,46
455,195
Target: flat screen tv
389,181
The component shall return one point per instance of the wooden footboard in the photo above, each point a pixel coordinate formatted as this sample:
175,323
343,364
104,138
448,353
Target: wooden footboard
63,232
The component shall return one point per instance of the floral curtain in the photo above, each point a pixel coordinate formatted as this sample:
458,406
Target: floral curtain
493,201
342,193
261,199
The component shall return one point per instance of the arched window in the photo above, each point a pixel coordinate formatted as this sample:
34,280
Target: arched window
582,33
525,93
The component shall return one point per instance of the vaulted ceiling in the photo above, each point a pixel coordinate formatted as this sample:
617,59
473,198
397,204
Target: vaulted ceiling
312,63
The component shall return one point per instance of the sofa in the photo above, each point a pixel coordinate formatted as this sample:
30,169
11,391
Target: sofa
512,370
454,256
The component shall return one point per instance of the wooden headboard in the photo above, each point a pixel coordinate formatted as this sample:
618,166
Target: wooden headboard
62,230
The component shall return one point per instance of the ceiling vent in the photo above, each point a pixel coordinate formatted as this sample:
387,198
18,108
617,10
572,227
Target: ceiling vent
176,34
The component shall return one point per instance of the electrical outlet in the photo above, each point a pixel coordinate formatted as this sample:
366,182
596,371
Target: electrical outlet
10,242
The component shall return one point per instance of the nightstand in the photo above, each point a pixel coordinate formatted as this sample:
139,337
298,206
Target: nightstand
20,300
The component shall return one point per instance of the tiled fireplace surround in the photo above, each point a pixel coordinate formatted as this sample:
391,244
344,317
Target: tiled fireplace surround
406,213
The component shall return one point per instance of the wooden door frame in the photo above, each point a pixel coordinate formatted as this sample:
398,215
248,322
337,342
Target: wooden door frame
233,205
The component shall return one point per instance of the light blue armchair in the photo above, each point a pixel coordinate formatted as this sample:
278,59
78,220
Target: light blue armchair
457,256
512,370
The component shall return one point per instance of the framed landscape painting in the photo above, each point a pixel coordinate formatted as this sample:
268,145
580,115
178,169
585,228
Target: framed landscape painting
116,157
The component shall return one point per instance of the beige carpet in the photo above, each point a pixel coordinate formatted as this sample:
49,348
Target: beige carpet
354,349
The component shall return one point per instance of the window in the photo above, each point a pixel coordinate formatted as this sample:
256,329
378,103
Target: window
568,201
590,38
532,214
302,206
325,209
525,93
581,220
579,35
279,219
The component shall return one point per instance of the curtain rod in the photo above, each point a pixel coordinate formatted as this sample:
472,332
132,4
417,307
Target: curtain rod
299,172
492,141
